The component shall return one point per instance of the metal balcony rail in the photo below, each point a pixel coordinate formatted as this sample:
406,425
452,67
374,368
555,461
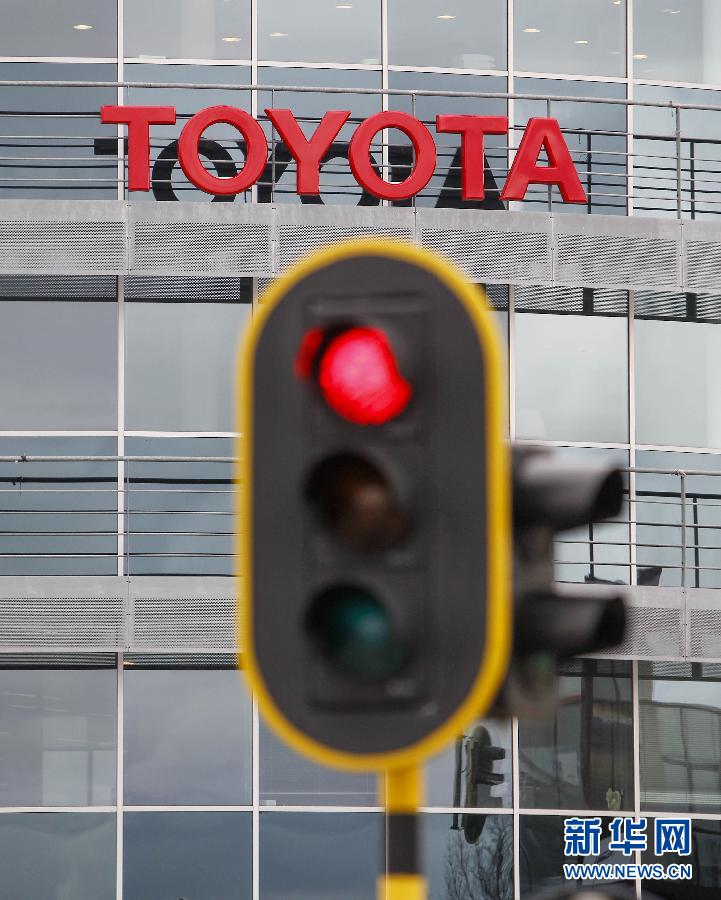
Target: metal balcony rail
173,515
668,165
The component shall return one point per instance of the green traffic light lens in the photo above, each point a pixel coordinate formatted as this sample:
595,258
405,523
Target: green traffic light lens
356,633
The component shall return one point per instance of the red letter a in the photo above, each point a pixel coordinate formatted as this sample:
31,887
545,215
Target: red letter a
543,134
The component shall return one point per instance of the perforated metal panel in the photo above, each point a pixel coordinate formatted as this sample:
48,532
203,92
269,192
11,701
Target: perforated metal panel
703,265
652,631
62,247
63,623
705,633
588,260
294,243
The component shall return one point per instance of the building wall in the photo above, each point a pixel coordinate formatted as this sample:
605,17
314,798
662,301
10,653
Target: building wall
151,777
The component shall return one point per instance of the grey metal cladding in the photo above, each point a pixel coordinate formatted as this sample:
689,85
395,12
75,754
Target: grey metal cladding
44,237
507,248
200,239
615,251
62,237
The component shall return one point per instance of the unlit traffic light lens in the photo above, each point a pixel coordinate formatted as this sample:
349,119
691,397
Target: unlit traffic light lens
356,633
357,502
357,373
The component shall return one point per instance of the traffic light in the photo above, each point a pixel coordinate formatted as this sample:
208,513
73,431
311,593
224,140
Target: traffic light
374,534
551,495
481,756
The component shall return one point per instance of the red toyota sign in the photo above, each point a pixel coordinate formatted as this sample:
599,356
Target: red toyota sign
539,135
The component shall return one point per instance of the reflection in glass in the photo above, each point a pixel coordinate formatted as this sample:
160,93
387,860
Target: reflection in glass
469,865
192,855
288,779
705,860
319,856
542,859
58,856
677,41
680,739
57,737
576,38
179,365
187,29
475,771
70,28
187,737
571,364
459,34
580,756
320,31
61,517
50,149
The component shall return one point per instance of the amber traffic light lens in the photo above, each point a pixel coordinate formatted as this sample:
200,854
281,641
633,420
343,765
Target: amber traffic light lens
357,502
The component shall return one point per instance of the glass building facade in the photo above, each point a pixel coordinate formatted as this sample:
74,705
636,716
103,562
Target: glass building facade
151,776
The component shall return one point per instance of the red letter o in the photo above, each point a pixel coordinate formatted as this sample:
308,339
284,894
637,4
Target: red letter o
423,145
256,154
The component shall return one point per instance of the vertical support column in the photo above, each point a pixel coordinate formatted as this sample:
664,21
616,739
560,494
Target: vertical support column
512,361
684,536
385,84
516,813
510,87
679,168
629,108
636,725
122,548
119,782
632,505
255,775
254,81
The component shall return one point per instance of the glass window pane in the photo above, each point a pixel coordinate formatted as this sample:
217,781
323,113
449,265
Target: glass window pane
71,28
677,41
57,737
50,148
469,857
680,739
542,858
58,856
705,859
288,779
450,780
571,364
576,38
319,856
187,29
60,518
187,737
58,364
320,31
581,755
678,374
199,541
180,360
198,855
459,34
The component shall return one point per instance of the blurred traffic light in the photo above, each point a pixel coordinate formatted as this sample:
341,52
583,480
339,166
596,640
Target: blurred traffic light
551,495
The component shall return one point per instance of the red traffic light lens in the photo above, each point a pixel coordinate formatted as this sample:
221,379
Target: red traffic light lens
359,377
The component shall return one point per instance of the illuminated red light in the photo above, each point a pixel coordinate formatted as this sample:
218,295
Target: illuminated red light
359,378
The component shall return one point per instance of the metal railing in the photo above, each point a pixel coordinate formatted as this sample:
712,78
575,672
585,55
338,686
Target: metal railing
173,515
670,165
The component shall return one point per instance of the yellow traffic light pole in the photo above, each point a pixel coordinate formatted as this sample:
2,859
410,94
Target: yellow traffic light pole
402,794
